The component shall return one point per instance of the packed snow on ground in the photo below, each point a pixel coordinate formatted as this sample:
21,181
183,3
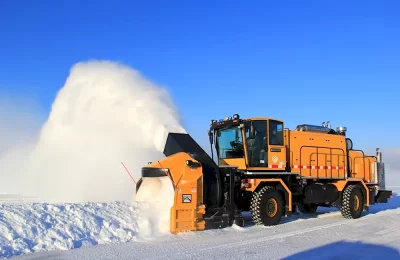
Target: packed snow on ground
48,230
41,226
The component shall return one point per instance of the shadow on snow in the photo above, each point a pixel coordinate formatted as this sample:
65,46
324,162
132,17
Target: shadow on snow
348,250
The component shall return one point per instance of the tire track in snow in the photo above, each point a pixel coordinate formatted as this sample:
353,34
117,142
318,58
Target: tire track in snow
252,241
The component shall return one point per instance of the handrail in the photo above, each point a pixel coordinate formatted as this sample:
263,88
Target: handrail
317,152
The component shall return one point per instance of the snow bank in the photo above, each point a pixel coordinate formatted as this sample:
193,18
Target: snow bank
33,227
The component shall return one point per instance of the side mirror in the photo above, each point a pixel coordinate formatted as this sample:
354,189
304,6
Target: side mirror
210,136
349,144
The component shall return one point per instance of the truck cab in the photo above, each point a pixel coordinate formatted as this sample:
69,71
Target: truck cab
252,144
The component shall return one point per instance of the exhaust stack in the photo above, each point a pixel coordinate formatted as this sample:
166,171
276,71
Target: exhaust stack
381,170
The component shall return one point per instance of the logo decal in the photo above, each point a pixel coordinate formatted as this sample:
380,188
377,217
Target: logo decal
275,150
186,198
275,159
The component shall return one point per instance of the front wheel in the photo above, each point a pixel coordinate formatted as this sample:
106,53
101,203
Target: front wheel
267,206
352,202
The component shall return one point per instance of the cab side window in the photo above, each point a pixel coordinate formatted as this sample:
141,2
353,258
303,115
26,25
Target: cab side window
275,132
256,143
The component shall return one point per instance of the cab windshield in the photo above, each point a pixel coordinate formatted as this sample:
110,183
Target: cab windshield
229,143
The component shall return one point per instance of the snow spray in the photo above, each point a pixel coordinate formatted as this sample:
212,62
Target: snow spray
105,113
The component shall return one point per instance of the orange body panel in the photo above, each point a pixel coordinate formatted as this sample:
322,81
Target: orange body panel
238,162
316,155
276,157
320,155
363,167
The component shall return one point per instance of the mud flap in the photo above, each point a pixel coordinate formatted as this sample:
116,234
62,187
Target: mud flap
383,196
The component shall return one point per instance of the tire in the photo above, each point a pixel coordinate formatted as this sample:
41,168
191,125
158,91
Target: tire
267,206
352,202
307,208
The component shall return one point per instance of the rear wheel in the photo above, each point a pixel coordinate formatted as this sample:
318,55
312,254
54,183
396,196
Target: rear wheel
267,206
352,202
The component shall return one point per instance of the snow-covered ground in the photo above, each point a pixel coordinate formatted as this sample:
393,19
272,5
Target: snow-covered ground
32,230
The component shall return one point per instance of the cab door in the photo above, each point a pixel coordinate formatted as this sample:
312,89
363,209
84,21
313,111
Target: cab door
256,144
276,146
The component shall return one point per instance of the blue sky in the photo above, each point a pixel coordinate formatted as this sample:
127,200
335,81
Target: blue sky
300,61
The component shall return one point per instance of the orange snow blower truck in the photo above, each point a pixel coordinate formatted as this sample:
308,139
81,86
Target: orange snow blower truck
266,169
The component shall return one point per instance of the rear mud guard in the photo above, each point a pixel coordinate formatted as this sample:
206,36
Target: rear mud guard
383,196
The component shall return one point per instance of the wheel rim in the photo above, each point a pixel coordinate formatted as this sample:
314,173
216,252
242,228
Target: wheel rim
272,207
356,202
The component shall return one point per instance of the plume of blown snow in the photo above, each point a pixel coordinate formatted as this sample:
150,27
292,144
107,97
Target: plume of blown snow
105,114
20,122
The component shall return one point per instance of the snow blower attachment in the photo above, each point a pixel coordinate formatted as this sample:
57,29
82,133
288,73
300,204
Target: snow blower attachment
196,182
265,169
